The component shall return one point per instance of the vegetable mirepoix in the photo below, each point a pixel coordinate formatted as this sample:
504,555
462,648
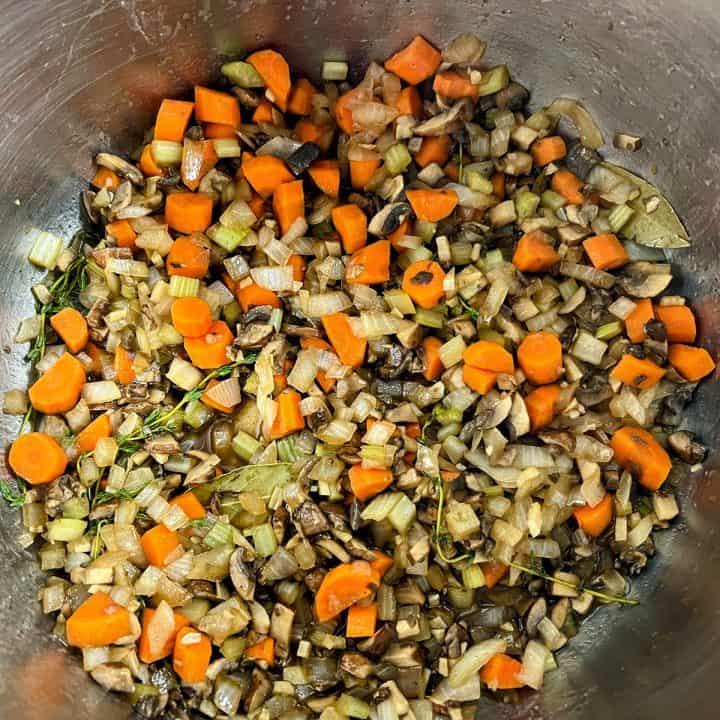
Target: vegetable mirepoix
37,458
637,451
58,388
343,586
98,621
337,375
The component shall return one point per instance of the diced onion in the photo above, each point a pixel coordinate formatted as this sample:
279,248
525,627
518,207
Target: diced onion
320,304
337,432
588,131
302,376
473,660
277,279
533,664
622,307
100,392
226,393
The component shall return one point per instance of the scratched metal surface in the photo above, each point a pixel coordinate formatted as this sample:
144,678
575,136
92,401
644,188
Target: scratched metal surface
86,74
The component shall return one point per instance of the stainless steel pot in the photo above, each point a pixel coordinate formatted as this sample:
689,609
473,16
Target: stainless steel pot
84,75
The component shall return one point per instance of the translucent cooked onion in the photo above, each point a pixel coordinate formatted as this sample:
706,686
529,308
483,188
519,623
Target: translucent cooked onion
533,664
280,146
469,198
361,153
372,117
277,279
320,304
337,432
588,131
277,251
226,393
379,433
302,376
295,231
466,48
160,629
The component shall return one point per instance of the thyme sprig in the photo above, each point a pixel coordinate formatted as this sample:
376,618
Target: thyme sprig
440,536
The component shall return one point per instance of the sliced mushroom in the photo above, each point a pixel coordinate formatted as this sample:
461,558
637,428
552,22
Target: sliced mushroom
466,48
643,285
200,473
302,158
164,444
448,121
403,655
514,97
311,518
580,159
684,446
240,575
537,612
491,411
88,203
356,665
281,622
254,335
519,418
280,147
388,219
281,565
574,301
121,167
258,692
560,438
114,677
122,197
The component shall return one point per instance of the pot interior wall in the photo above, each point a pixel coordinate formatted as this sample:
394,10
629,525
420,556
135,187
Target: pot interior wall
85,76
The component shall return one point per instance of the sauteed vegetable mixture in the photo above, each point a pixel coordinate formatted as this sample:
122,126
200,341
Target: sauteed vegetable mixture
352,400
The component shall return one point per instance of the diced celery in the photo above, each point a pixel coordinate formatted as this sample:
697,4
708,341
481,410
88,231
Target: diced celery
76,508
232,312
197,414
181,286
475,181
45,249
397,159
219,534
609,330
242,74
334,70
526,204
233,648
425,229
166,152
403,514
66,529
244,445
183,374
552,200
168,335
350,706
473,577
447,415
618,216
264,540
493,258
227,147
287,449
429,318
567,288
399,300
451,352
493,80
227,238
486,333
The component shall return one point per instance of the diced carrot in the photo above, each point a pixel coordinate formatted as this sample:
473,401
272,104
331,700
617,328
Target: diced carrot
414,63
487,355
494,572
569,186
254,296
370,264
87,438
606,252
449,475
307,131
595,520
501,673
146,652
207,400
37,458
191,316
398,234
409,102
433,364
348,347
148,166
275,72
95,354
343,586
351,223
191,654
454,85
434,149
541,404
301,95
381,563
72,328
535,252
368,482
481,381
257,205
635,321
265,173
189,257
361,621
693,363
159,544
432,205
326,175
424,281
540,357
123,233
548,149
498,182
190,505
188,212
216,131
264,651
297,262
289,204
289,419
172,119
452,170
98,621
58,389
636,372
639,452
105,178
198,159
263,112
210,350
343,109
361,171
216,107
679,322
326,383
124,371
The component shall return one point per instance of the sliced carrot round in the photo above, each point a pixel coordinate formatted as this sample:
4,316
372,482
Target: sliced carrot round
540,357
423,282
343,586
188,257
191,316
210,351
37,458
98,621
